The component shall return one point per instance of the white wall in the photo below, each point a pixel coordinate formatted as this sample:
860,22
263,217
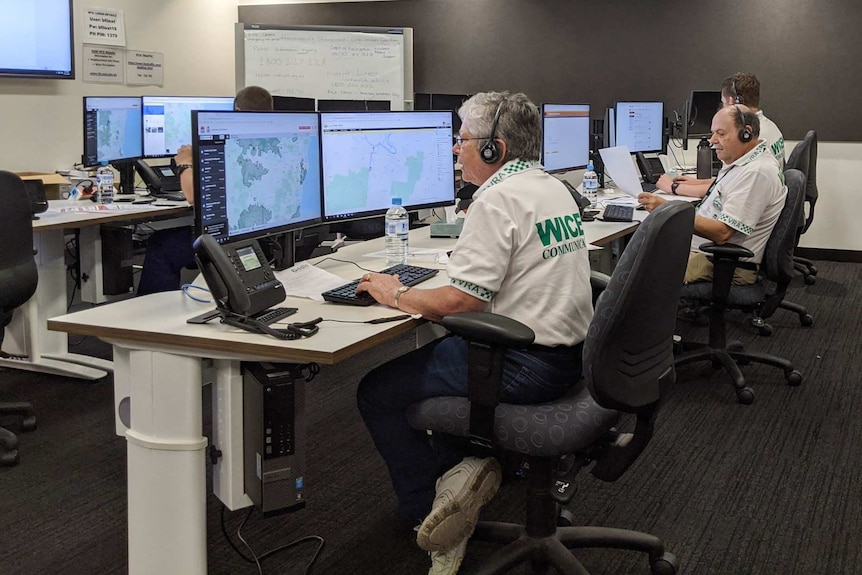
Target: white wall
41,120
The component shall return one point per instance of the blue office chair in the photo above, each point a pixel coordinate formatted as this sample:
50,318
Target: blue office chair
765,295
628,363
18,279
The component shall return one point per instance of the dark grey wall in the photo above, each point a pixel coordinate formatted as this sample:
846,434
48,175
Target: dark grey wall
805,53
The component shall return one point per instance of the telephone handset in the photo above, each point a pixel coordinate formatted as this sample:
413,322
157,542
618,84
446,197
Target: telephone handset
244,287
583,202
158,179
651,168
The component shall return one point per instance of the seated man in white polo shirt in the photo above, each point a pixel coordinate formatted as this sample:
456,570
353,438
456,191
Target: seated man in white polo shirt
745,200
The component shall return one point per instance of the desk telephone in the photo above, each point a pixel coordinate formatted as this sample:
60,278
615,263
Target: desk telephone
651,168
161,181
587,215
244,288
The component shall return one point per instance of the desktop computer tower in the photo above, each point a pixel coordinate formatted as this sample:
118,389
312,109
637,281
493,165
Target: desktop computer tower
274,436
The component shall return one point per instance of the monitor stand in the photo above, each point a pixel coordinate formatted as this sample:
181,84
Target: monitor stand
126,169
283,252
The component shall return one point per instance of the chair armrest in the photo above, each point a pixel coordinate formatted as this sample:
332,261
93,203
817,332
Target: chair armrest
489,329
726,251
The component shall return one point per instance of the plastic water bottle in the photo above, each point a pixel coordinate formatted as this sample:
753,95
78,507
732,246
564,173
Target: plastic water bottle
397,226
105,181
590,184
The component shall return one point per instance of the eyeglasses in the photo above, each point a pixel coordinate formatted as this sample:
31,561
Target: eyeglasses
459,140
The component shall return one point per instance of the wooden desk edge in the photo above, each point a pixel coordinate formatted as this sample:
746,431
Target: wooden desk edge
233,348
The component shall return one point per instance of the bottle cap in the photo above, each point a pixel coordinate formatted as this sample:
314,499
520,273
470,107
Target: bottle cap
590,166
396,201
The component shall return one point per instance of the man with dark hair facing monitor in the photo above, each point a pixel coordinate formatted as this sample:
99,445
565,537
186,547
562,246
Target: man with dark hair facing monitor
745,200
521,254
170,250
739,88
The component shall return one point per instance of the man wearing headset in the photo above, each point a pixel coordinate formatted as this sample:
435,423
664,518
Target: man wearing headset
740,88
521,254
745,200
170,250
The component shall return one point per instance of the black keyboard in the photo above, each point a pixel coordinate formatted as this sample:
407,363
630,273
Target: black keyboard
407,275
648,187
618,213
173,196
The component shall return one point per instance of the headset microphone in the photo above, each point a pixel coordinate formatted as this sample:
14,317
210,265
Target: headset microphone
490,151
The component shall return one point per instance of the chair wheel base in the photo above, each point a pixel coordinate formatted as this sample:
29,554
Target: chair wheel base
806,320
667,565
9,458
745,395
793,377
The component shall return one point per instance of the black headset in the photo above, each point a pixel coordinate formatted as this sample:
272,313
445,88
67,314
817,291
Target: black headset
745,134
737,99
490,151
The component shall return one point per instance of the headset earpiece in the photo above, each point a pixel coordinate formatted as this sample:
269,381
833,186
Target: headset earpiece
745,134
737,99
490,151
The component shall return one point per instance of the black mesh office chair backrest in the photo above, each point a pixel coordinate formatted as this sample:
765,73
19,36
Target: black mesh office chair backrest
777,264
18,276
811,192
628,352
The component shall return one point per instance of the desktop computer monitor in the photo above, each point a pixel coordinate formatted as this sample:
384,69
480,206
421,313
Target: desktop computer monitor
565,136
441,103
371,157
699,110
168,121
112,129
256,173
640,126
353,105
294,104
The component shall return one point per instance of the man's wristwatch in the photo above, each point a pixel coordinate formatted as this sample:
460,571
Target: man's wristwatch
673,187
398,293
181,168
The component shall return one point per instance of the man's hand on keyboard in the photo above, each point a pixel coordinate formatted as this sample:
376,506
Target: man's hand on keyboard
382,287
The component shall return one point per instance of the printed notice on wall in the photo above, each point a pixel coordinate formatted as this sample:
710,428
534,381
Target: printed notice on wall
105,65
144,68
104,26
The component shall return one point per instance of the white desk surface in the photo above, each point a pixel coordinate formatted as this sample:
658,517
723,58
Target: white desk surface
83,213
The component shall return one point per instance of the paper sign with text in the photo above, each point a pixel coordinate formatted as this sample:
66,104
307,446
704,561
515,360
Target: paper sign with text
144,68
104,65
103,26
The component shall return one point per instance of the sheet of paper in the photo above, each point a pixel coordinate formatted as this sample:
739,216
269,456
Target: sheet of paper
308,281
428,255
619,165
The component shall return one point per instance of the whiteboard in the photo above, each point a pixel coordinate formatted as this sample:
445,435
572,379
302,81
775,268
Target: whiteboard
327,63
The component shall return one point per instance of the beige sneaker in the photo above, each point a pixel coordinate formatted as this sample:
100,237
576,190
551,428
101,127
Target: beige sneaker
448,562
461,493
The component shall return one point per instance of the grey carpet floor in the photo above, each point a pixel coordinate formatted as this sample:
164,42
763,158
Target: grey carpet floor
771,488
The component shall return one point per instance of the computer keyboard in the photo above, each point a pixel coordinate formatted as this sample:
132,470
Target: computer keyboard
170,196
407,275
618,213
648,187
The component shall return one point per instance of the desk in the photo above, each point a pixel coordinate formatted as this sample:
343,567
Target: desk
159,363
28,334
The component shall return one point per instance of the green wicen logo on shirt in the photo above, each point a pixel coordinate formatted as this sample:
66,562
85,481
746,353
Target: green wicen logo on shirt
561,235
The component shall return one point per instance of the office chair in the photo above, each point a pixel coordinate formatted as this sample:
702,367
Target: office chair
18,279
628,363
719,294
807,164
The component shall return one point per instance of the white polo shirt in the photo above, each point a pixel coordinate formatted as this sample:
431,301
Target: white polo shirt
748,195
773,136
522,250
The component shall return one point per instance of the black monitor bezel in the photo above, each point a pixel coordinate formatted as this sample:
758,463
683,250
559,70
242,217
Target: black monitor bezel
589,129
662,147
687,133
377,212
85,160
50,74
257,234
143,140
293,104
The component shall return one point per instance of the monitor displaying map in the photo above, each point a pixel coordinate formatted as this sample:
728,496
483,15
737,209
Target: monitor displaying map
112,129
255,173
168,121
371,157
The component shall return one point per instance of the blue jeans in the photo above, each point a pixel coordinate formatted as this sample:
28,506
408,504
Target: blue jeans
440,369
168,252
